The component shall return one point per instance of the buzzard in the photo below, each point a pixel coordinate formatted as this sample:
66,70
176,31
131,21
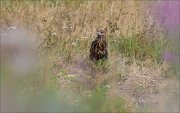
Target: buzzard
99,47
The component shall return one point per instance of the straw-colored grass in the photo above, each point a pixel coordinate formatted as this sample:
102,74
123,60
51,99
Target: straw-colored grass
65,30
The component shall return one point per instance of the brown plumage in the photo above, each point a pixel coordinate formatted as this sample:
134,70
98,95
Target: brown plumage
99,47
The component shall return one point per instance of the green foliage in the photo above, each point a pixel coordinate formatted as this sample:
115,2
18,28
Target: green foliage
97,100
100,102
138,48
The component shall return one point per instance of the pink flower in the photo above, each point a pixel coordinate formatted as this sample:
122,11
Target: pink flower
169,56
167,13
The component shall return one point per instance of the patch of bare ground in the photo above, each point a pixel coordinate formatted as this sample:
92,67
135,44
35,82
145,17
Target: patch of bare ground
77,72
141,86
168,97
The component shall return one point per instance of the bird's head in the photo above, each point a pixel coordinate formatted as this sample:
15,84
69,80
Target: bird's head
101,33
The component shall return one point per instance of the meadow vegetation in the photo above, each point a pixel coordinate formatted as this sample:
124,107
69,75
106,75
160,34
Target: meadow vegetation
66,79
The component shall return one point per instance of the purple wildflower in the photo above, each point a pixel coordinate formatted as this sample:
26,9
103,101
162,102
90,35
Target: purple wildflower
169,56
167,13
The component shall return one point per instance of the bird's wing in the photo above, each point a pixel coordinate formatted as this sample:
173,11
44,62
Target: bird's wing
92,46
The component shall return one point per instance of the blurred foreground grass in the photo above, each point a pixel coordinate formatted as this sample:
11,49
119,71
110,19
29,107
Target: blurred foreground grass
63,31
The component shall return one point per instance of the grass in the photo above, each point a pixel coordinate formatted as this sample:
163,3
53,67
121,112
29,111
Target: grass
138,48
64,30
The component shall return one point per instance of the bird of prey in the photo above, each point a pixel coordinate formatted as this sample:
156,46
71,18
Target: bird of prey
99,47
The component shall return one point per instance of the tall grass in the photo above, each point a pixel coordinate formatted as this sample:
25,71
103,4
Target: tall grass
139,47
73,24
65,30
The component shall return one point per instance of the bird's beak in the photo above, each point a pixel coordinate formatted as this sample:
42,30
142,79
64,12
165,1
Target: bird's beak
100,34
